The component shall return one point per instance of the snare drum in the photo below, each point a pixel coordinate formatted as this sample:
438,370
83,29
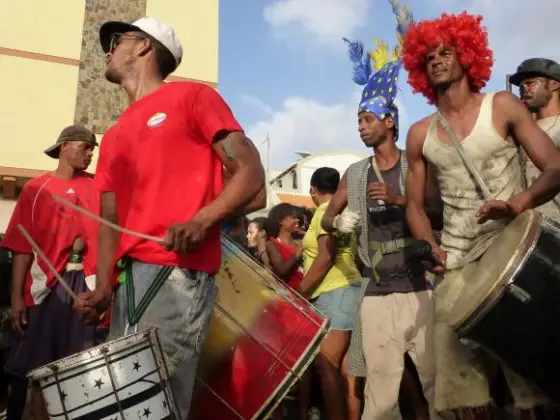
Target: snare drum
121,379
511,305
262,337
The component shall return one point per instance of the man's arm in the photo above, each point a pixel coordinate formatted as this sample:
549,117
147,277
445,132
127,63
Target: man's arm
338,203
22,253
21,265
108,242
258,202
244,191
539,148
92,304
416,177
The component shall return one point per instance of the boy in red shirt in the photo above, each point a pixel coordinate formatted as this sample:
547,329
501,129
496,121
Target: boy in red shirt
160,172
42,316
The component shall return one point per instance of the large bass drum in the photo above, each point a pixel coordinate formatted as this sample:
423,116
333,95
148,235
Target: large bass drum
262,338
512,305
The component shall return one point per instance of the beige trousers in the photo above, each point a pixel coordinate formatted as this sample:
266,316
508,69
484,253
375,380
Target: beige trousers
461,377
393,325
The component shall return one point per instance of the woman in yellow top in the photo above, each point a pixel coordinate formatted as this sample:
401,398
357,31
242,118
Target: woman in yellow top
332,283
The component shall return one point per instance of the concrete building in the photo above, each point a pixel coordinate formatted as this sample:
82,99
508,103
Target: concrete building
52,73
292,184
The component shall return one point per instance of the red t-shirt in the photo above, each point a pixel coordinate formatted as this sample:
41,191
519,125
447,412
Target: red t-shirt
54,227
294,278
159,162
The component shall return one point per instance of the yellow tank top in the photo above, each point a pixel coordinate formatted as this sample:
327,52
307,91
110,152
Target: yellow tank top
498,162
343,271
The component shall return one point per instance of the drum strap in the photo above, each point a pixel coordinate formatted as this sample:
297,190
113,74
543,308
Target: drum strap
383,248
467,161
136,312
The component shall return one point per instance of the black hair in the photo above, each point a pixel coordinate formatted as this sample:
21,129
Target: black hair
165,61
275,217
260,222
326,180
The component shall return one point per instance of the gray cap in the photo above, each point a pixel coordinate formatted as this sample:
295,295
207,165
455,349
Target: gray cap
534,67
71,133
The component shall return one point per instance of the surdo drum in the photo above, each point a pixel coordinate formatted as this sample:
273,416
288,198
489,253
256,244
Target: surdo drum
511,307
121,379
262,338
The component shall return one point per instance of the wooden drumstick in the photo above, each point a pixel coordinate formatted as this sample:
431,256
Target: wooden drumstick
106,222
39,252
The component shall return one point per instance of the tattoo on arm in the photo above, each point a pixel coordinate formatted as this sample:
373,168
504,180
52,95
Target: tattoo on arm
228,150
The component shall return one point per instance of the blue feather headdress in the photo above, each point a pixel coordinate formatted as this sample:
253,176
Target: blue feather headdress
380,88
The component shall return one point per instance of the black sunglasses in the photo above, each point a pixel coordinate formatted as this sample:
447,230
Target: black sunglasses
117,37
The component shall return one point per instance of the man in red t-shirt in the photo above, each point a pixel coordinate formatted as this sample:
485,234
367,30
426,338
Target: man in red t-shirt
160,172
45,324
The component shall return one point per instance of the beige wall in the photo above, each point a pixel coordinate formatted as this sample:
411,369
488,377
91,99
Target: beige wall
6,210
39,90
196,24
37,102
52,27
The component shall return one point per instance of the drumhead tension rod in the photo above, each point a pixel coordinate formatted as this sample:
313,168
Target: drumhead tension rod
518,293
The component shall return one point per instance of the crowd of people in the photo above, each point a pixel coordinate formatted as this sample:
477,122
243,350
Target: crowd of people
383,255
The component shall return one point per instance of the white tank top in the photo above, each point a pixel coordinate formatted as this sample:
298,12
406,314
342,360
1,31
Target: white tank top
550,126
498,162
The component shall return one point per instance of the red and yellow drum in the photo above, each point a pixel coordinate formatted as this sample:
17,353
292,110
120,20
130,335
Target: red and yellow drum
262,338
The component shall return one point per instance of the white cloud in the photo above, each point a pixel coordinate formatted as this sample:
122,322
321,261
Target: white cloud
257,103
308,125
517,29
322,21
520,30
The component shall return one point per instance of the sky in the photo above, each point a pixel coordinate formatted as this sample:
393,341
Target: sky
285,72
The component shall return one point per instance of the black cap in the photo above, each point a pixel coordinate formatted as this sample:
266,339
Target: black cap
71,133
534,67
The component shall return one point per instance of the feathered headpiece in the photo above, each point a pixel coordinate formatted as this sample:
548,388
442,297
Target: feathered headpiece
381,86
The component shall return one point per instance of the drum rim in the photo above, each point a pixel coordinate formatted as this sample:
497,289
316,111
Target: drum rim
49,369
303,363
517,260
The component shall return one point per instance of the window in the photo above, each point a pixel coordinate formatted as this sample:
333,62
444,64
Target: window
279,183
294,180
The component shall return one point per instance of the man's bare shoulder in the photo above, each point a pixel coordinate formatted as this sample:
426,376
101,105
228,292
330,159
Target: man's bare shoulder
418,131
505,98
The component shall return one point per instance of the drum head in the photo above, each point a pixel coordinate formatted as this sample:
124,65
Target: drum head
486,280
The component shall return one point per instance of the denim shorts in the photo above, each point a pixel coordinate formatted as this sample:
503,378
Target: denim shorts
341,306
181,311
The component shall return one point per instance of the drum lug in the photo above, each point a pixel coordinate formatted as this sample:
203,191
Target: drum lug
518,293
467,342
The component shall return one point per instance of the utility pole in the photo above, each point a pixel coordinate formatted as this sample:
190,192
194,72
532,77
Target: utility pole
267,142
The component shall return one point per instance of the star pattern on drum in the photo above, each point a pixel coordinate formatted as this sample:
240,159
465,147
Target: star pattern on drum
63,395
136,366
147,412
98,383
164,403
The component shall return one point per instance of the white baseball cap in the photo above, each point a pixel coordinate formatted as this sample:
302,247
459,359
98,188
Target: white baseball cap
150,26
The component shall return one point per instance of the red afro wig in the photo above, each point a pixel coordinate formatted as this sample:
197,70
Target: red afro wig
463,32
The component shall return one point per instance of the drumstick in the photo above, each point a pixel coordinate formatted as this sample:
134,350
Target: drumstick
36,248
106,222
